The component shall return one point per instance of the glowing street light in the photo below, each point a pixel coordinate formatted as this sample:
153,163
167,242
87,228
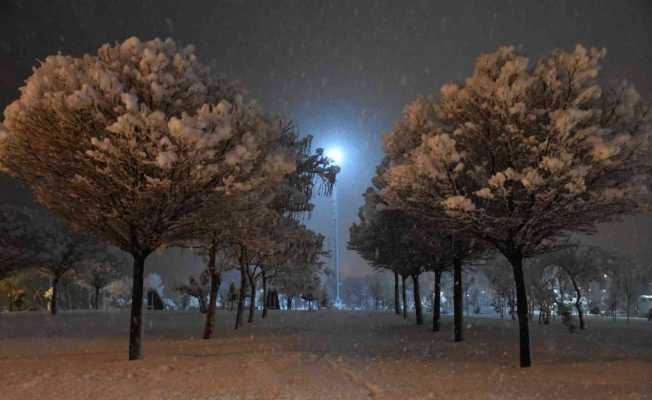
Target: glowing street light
336,155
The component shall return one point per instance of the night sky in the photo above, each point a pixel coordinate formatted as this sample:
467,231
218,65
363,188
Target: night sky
342,70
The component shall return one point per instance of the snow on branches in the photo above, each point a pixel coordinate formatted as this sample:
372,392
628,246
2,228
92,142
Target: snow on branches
523,153
131,144
519,156
131,141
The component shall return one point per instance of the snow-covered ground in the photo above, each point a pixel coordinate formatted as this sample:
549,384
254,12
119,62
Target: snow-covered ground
317,355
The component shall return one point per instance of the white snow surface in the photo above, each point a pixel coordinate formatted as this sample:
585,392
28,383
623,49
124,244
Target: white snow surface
317,355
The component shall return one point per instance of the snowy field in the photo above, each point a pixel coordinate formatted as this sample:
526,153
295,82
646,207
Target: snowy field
317,355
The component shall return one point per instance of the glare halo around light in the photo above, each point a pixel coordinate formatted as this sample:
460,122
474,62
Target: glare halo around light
335,154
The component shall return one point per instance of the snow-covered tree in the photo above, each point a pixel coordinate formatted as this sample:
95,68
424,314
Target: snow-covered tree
197,288
301,272
205,236
376,289
250,233
119,292
628,279
100,272
31,238
519,155
288,198
314,173
154,281
501,282
231,295
130,143
54,249
581,266
541,281
368,238
294,247
263,240
397,239
394,240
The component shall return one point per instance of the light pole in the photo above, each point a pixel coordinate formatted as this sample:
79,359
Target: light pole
336,156
336,255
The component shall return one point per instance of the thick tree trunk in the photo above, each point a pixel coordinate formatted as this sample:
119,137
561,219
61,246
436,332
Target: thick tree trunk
404,289
578,303
436,303
55,295
458,300
265,295
397,301
212,297
417,299
241,297
521,310
136,323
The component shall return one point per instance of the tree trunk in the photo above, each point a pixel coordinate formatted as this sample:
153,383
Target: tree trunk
288,302
436,306
69,305
397,301
136,324
540,314
97,298
203,308
521,310
212,298
265,295
578,303
403,279
417,300
55,294
241,297
252,302
458,300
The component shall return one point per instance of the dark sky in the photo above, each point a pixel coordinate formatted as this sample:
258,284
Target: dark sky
342,70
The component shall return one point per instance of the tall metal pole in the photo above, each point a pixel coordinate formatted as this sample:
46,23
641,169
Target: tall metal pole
336,252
